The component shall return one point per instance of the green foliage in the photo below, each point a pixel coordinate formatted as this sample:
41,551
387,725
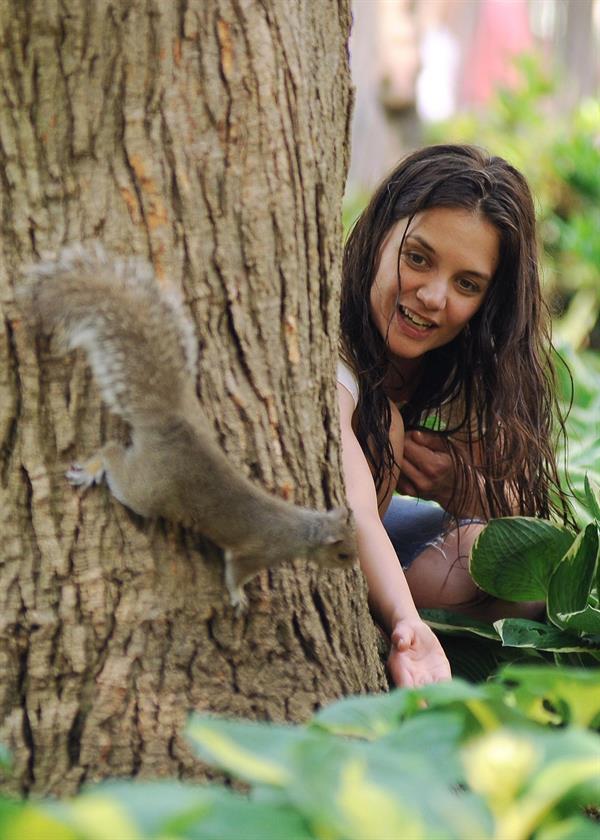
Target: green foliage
515,758
522,559
578,379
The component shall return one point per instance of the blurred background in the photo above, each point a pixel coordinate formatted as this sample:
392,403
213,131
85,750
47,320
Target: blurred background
522,79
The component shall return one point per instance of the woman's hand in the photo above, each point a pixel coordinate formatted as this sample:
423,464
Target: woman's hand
428,472
416,656
427,467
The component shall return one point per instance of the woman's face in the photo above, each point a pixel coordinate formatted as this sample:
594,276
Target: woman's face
448,259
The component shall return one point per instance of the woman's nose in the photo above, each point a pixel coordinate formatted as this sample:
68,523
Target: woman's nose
434,293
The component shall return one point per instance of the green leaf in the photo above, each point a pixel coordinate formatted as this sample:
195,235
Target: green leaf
550,788
367,717
472,646
445,621
153,808
239,818
31,822
572,694
524,633
360,790
514,557
363,809
524,775
10,809
573,578
482,707
254,752
166,810
574,828
592,496
586,623
476,660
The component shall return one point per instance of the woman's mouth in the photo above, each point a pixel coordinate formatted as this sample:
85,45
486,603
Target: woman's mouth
415,320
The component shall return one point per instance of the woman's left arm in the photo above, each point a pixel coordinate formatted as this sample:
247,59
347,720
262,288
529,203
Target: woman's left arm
428,472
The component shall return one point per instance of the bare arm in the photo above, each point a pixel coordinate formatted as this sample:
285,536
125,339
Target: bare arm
428,473
416,656
389,595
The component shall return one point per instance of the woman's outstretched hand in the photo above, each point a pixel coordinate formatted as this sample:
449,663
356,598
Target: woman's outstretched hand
416,656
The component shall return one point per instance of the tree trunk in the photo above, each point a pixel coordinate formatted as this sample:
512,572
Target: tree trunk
211,137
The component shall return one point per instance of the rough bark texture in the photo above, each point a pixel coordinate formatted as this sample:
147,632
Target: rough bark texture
211,137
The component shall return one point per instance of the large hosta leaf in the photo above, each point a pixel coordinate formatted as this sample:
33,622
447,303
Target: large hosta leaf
523,633
445,621
585,623
514,557
572,580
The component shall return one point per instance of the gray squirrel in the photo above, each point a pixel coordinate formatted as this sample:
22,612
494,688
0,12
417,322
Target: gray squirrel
142,349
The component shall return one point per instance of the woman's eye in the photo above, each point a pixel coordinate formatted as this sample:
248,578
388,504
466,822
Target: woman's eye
418,260
467,285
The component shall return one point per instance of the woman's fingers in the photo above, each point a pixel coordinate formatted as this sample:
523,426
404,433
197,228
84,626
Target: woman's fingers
430,440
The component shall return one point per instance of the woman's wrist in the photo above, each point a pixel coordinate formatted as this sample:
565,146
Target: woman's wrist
403,612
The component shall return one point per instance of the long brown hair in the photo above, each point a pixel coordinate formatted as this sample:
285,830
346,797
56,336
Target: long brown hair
498,369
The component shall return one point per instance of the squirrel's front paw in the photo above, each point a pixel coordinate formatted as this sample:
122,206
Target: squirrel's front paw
85,475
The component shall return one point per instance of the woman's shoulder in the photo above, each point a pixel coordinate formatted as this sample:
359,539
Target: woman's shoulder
348,379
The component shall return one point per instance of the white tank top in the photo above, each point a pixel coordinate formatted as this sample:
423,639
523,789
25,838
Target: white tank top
347,378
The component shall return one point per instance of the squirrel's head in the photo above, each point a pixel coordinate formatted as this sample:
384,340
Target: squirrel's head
337,546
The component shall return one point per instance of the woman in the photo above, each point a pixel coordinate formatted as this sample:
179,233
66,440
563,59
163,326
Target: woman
442,320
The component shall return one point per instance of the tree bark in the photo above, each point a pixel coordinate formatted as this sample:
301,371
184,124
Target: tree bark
211,137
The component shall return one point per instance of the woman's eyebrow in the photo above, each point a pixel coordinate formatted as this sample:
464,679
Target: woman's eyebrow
421,241
427,247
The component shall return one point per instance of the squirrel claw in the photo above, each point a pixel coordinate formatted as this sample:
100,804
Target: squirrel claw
237,596
239,601
79,476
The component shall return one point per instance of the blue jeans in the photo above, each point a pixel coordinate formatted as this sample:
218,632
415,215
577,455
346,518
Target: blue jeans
413,525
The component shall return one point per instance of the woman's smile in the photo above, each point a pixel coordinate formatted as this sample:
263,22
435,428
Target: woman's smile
421,323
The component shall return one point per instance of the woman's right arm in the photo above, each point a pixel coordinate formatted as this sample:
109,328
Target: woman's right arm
417,656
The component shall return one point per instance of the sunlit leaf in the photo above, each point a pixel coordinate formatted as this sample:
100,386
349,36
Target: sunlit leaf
99,817
371,811
334,779
33,823
367,716
574,828
551,786
573,695
254,752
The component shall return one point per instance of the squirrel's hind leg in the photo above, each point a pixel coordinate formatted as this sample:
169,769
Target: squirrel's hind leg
235,580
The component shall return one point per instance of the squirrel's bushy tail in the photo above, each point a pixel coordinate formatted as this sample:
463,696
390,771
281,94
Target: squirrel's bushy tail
115,310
